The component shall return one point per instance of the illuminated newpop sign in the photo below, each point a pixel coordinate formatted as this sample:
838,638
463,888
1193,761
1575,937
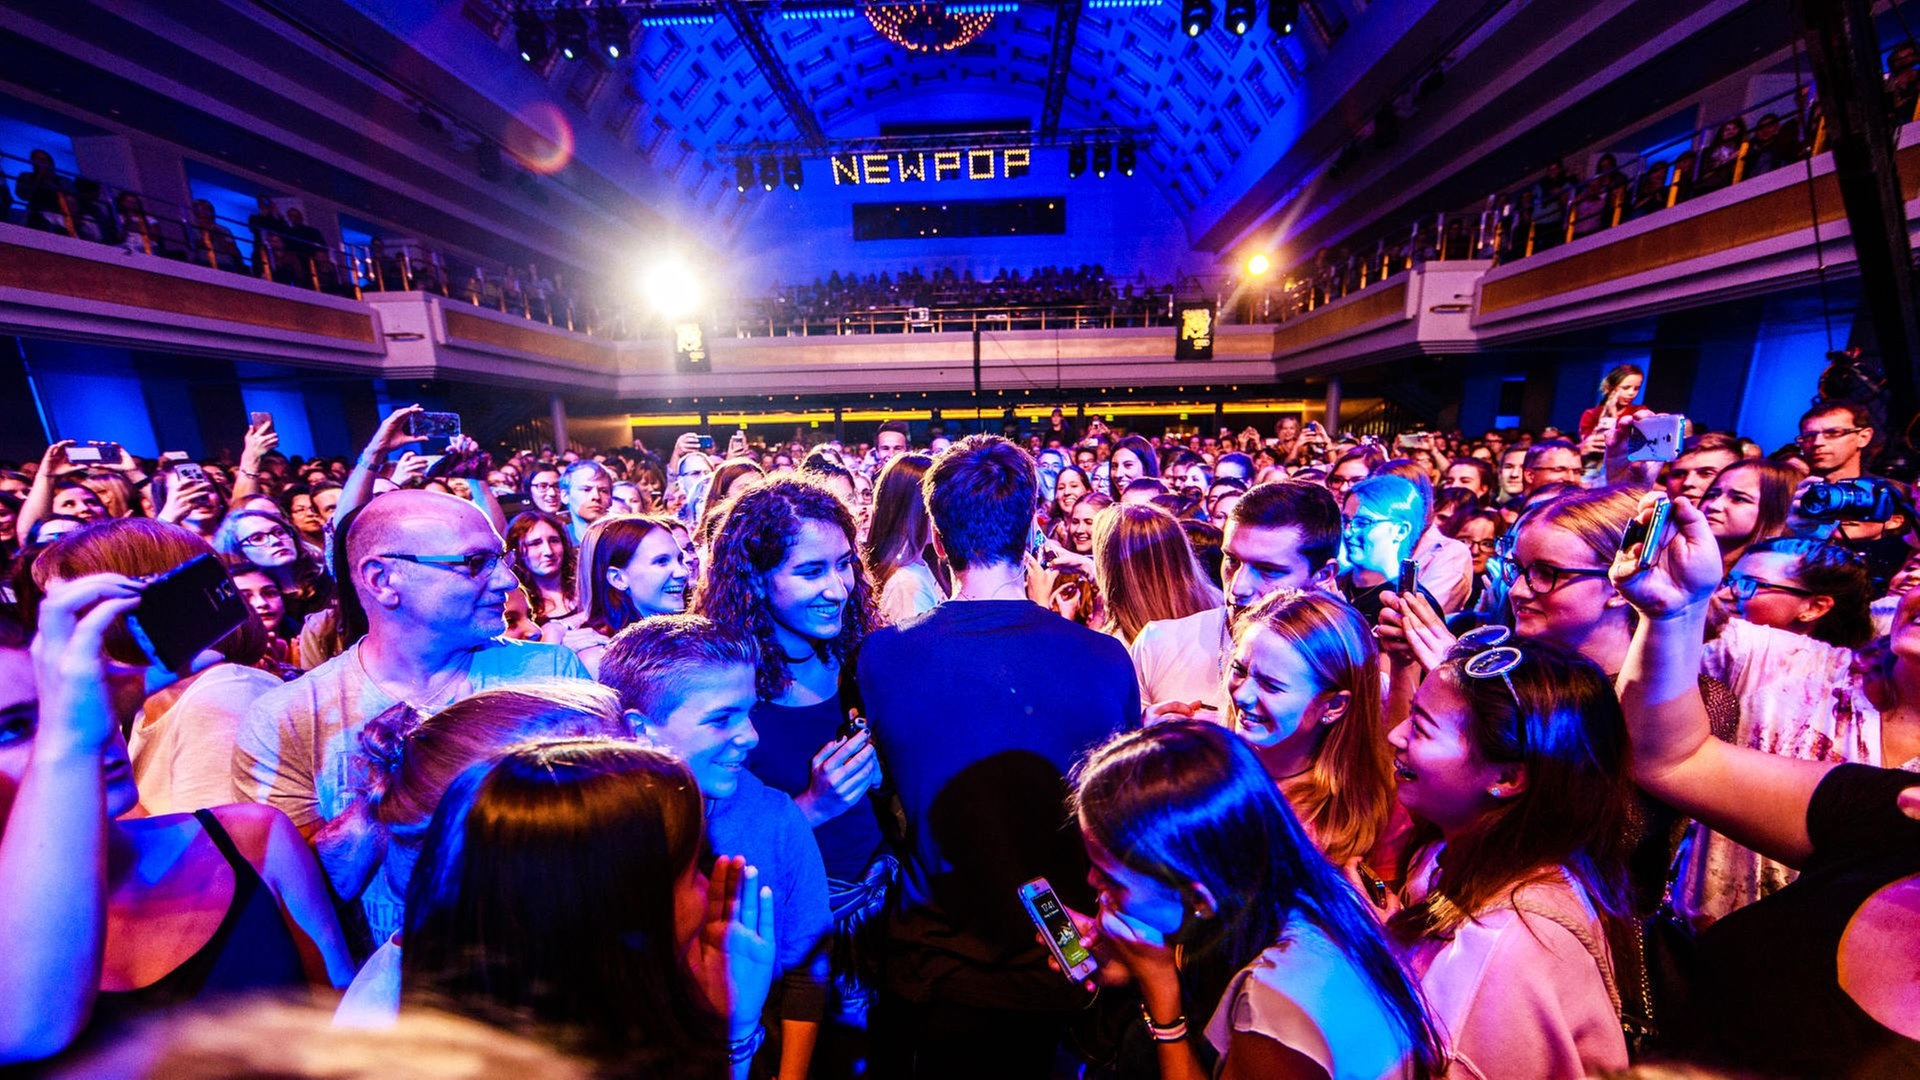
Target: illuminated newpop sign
905,167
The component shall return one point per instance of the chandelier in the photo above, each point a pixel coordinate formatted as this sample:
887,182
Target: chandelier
927,28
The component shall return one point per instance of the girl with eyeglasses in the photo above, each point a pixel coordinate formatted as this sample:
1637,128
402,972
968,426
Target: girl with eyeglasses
1513,764
1385,517
1801,586
269,542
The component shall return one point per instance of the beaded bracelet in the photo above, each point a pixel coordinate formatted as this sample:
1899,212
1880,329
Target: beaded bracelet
1173,1032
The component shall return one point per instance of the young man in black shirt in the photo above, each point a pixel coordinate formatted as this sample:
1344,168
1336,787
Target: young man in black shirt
978,709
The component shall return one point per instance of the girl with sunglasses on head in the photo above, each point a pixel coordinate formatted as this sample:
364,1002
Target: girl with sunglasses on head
1231,925
1513,762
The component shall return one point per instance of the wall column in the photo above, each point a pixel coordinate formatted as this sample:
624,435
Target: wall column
557,407
1331,419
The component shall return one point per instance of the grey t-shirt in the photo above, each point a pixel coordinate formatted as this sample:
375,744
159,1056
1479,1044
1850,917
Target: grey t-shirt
295,748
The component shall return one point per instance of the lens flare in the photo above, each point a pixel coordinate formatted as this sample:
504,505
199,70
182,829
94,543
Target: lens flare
542,140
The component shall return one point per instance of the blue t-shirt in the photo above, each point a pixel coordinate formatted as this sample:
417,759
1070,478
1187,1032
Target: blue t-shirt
764,825
979,708
789,737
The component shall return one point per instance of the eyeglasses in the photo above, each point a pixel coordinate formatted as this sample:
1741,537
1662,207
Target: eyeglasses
537,486
1743,587
267,537
1364,523
479,564
1831,434
1488,546
1542,578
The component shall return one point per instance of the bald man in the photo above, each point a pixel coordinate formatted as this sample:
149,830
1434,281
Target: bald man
432,574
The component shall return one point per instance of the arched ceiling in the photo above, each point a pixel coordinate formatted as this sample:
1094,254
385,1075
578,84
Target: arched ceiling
1202,104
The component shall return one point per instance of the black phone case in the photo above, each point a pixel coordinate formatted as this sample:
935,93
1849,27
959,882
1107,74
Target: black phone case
187,610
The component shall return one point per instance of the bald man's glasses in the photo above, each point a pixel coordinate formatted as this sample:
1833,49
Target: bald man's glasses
479,564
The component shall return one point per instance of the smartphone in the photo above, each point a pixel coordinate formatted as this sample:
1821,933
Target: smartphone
94,453
433,424
1376,889
260,420
1656,437
1063,939
706,444
1655,533
187,470
173,456
186,610
1409,577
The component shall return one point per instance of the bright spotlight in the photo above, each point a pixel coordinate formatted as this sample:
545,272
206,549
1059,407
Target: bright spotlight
670,287
1259,265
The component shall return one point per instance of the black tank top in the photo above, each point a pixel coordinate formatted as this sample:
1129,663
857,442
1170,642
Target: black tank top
252,950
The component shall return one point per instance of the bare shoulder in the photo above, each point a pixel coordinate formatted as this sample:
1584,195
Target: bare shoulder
264,836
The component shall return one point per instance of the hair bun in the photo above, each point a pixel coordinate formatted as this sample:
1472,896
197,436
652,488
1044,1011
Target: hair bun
384,742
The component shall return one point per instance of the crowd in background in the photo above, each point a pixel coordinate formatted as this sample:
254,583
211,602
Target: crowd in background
1536,754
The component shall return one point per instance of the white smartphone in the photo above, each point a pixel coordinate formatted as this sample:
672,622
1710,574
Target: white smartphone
1063,939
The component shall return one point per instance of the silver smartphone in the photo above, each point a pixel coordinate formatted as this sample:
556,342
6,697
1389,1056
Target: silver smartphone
1063,938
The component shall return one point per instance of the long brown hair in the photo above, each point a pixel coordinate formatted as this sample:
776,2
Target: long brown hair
1772,507
1146,569
611,542
517,530
1557,717
901,529
1346,797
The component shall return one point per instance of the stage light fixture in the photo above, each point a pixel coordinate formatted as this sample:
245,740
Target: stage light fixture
1126,158
1102,158
1239,16
1283,16
531,35
570,34
1196,16
769,172
790,170
671,289
613,30
742,173
1258,266
1076,160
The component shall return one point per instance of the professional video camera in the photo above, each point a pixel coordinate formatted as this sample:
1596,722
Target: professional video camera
1851,500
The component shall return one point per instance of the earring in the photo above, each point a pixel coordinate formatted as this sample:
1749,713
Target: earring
1494,791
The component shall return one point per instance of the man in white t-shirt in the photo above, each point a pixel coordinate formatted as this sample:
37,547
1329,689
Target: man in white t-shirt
1282,535
433,576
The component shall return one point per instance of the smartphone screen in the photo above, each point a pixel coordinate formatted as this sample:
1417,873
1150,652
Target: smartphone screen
188,609
83,454
1062,937
706,443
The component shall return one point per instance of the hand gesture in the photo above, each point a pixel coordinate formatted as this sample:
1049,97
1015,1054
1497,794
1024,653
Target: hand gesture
1410,630
732,958
737,445
1685,572
183,497
391,436
1161,711
69,662
843,770
257,442
411,466
1141,949
126,464
54,461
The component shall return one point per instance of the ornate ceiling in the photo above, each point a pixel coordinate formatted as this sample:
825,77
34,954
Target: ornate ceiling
690,90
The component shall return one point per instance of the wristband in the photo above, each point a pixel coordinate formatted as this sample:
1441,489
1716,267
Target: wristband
740,1051
1174,1032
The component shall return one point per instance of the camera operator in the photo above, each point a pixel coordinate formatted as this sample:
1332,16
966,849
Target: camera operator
1841,500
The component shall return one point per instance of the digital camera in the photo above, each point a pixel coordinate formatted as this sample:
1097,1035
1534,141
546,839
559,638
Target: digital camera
1850,500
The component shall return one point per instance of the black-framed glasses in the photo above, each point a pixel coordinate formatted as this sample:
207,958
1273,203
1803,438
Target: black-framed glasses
1743,587
1542,578
265,537
477,564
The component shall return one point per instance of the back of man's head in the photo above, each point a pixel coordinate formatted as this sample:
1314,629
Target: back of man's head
980,493
1235,464
1290,504
649,662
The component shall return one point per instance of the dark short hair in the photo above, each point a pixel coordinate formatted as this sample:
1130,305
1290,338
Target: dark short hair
648,662
1234,459
897,427
1539,450
1145,483
1709,442
1857,414
981,493
817,463
1292,504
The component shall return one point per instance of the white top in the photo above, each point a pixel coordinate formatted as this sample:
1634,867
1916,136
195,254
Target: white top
1307,995
588,645
910,590
1446,568
183,757
1184,659
372,1000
